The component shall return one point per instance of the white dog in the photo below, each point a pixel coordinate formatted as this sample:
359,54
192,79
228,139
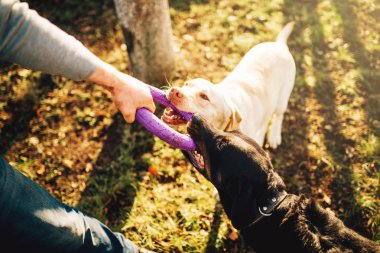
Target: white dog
254,94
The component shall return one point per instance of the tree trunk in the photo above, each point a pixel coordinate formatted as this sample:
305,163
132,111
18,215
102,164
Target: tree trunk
147,31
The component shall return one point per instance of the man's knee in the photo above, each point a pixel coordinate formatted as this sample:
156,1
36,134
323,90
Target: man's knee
99,238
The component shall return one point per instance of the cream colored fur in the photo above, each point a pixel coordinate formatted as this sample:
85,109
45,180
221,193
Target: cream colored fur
254,94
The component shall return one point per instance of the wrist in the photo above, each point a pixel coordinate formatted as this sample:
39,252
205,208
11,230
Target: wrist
106,76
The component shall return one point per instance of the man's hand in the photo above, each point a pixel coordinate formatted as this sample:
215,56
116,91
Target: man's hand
128,93
131,94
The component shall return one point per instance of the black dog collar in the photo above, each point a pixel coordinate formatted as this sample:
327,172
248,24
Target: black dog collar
266,205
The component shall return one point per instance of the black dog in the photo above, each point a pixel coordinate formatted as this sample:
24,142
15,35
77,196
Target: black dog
253,196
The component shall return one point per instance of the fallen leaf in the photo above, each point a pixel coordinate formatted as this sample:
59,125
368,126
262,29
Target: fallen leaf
234,236
34,140
88,167
68,163
41,170
327,199
152,170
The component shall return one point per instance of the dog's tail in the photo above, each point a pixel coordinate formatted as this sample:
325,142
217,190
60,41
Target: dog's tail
282,37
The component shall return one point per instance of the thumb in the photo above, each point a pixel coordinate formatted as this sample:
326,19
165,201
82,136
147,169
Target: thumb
129,115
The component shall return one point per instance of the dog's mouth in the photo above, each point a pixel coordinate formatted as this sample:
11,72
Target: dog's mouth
196,159
172,118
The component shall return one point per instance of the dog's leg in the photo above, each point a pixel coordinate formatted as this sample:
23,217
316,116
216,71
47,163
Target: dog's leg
259,135
274,133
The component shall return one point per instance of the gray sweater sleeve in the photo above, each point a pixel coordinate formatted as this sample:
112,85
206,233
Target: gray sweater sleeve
33,42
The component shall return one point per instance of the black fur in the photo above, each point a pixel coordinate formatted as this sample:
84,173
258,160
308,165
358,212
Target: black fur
242,172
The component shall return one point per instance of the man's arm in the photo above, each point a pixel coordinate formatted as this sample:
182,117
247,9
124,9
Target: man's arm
33,42
128,93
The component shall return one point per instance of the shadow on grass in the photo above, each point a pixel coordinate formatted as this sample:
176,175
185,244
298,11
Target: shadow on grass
337,177
291,158
23,111
113,184
368,85
231,246
342,188
365,63
213,235
184,5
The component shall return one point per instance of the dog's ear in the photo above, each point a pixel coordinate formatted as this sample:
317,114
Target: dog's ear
234,118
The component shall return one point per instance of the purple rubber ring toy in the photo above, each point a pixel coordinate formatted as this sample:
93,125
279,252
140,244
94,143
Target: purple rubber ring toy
162,130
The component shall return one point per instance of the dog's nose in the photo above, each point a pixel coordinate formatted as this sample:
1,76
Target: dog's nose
194,126
196,119
196,122
176,92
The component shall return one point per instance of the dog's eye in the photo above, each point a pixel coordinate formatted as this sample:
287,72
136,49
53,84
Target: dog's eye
204,96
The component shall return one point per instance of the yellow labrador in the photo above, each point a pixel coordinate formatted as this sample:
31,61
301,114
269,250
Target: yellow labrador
254,93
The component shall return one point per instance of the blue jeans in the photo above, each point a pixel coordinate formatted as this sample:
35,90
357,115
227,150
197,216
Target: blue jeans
31,220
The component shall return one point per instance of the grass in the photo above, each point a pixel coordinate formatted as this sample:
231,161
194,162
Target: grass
68,137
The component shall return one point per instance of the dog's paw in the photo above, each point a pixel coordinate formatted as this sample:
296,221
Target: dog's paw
274,140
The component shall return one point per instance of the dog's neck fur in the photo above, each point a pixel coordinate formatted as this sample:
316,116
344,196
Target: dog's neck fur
301,225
